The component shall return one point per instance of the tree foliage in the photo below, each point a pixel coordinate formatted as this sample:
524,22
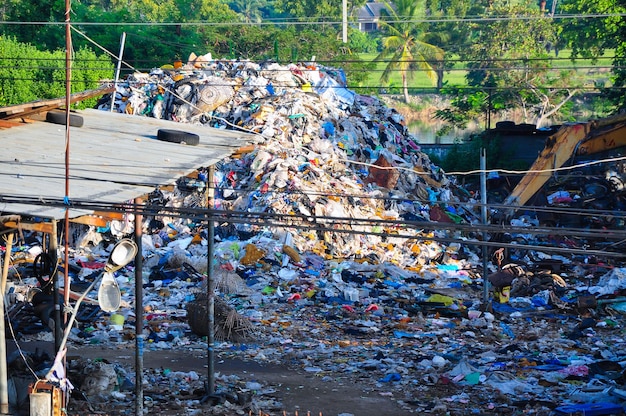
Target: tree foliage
103,21
250,11
403,49
448,30
591,37
509,67
28,74
324,10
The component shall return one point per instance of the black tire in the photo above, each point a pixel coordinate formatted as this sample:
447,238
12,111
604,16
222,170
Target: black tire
526,127
505,125
59,117
178,136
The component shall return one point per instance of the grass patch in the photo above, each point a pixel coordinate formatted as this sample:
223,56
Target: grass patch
598,71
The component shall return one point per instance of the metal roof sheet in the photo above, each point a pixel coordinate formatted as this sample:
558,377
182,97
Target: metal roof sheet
113,158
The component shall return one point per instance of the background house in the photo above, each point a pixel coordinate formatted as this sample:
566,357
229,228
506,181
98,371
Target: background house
369,16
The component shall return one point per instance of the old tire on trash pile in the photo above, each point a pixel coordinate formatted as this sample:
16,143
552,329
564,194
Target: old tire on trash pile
59,117
178,136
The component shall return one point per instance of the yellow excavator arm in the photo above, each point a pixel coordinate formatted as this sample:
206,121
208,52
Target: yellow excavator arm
570,140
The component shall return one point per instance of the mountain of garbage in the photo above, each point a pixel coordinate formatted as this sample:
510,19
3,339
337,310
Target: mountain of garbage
327,156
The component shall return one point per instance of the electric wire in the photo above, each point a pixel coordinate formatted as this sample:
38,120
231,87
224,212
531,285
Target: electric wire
322,223
352,162
329,61
415,90
305,21
374,70
525,61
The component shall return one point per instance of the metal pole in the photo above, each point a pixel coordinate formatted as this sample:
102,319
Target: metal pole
483,201
53,247
344,21
138,311
210,288
489,112
117,71
4,381
66,233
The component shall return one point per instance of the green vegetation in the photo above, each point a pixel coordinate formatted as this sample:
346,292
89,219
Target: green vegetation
505,58
403,49
456,74
418,84
28,74
591,38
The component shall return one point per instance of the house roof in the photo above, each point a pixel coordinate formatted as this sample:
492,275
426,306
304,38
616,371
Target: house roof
371,11
113,158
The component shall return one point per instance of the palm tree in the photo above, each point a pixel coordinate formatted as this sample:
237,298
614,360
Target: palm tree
402,46
249,10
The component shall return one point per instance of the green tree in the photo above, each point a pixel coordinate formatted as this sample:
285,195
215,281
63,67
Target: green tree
41,15
147,45
448,30
509,67
173,36
591,37
402,46
28,74
362,42
249,10
329,10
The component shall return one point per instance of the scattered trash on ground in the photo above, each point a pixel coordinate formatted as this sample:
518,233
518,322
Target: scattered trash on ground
404,317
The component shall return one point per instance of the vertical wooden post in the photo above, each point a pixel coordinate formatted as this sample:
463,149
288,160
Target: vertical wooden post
4,382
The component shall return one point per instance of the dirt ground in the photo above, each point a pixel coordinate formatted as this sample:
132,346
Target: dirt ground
316,368
295,389
299,393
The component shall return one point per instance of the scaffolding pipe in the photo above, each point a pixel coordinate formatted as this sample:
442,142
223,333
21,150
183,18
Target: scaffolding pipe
138,313
210,288
117,71
4,381
483,200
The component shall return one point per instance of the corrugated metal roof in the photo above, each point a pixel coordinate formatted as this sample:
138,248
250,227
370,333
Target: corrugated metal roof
114,158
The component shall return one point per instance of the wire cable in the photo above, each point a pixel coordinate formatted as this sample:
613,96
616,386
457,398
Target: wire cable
304,21
331,223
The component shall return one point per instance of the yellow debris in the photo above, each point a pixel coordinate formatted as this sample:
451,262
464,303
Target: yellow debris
292,253
252,256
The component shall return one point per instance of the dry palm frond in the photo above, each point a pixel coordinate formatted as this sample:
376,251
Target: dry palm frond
233,327
229,282
229,325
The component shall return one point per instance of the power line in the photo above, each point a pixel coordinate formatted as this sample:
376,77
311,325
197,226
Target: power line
421,230
413,89
373,70
353,61
304,21
279,193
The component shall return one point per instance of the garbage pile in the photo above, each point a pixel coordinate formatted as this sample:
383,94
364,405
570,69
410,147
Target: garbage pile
323,144
328,293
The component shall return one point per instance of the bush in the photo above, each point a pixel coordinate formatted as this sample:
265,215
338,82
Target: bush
28,74
361,42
